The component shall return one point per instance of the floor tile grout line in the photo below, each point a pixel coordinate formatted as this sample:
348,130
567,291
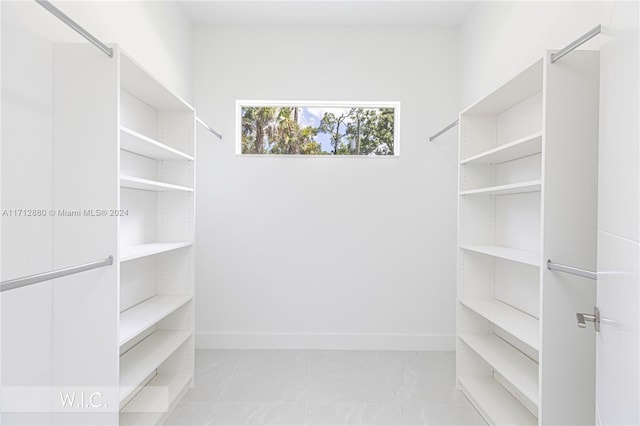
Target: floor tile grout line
164,422
386,380
215,401
455,366
306,405
181,402
447,358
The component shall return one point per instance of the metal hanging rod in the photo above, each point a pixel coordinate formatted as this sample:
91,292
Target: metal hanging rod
572,46
75,26
46,276
450,126
209,128
572,270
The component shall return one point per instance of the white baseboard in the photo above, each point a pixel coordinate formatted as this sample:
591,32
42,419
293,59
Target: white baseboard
397,342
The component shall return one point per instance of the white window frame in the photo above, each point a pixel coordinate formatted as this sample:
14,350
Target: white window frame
240,103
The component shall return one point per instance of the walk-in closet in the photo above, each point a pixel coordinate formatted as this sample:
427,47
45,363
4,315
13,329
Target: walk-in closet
319,212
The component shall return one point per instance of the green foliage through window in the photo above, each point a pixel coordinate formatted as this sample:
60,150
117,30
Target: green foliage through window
318,130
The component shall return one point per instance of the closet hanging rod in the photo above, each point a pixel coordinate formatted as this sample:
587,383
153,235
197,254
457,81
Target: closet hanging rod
450,126
572,46
75,26
209,128
571,270
46,276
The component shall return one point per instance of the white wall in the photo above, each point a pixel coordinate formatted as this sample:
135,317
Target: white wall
498,39
159,36
327,252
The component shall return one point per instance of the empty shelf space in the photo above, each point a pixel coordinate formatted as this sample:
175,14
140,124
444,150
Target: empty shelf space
521,87
512,188
142,145
517,323
140,361
149,249
508,253
138,318
151,403
150,185
495,403
520,370
523,147
144,86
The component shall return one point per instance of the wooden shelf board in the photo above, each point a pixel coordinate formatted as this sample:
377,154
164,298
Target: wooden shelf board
150,185
508,253
518,369
137,143
523,147
149,405
515,322
138,318
495,403
141,360
144,86
517,89
513,188
150,249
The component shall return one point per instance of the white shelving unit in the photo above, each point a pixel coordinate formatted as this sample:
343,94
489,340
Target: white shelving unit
527,193
139,318
142,145
150,185
494,402
523,147
157,182
134,142
513,188
512,364
515,322
145,409
150,249
508,253
144,358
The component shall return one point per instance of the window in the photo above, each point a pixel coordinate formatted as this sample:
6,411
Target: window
317,128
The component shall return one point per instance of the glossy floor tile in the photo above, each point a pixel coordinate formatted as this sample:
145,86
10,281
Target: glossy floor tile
328,388
354,414
441,415
269,377
257,414
353,377
213,371
422,378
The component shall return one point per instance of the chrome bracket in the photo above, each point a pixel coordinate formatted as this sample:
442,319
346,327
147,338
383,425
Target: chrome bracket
595,319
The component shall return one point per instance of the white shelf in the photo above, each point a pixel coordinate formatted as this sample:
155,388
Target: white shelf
495,403
149,405
142,145
523,147
150,185
518,369
144,86
149,249
508,253
521,87
513,188
138,318
517,323
141,360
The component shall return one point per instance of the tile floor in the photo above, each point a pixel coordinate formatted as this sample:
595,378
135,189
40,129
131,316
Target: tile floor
263,387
